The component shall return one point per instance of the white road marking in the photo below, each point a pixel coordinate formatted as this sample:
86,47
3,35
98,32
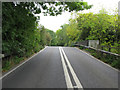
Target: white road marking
75,87
78,84
97,59
21,64
67,77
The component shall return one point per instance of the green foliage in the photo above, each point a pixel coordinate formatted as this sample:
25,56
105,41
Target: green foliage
61,36
18,29
98,27
56,8
68,34
48,39
17,60
72,32
51,37
21,35
89,26
112,60
7,65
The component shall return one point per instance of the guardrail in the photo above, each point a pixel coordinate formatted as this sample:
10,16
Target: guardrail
103,51
108,47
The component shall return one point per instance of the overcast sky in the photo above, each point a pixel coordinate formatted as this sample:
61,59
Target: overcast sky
54,22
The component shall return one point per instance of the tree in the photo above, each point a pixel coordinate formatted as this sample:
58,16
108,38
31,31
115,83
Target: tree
20,23
99,26
89,26
18,29
72,31
48,39
53,37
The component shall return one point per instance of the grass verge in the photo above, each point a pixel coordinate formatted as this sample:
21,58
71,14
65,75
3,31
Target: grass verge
14,60
112,60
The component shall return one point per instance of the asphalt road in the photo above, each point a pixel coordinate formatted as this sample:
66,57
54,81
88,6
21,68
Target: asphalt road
62,67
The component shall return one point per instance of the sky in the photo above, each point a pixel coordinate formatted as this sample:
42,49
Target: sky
54,22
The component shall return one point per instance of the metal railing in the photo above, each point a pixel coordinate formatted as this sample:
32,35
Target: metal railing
98,49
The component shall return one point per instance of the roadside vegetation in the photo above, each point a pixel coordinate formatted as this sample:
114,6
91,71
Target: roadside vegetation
110,59
22,36
88,26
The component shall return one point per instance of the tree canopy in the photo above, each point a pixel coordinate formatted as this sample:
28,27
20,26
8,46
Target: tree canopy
21,33
89,26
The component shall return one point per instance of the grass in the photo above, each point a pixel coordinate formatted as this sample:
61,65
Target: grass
8,63
112,60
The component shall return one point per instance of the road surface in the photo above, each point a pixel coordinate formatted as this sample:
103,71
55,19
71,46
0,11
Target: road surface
62,67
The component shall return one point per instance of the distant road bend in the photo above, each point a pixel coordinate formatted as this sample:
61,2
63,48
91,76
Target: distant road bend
62,67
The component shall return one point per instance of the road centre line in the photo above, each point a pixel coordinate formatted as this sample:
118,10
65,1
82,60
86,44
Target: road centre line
78,84
67,77
21,64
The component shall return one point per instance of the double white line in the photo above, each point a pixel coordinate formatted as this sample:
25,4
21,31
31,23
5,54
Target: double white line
67,76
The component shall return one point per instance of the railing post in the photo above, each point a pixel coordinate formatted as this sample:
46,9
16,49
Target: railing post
101,47
109,48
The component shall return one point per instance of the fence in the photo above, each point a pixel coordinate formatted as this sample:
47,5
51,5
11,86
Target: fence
103,49
109,48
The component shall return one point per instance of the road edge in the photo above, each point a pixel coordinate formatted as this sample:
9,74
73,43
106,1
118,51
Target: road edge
98,59
22,63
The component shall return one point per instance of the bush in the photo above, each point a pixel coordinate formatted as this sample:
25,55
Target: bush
17,60
6,65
